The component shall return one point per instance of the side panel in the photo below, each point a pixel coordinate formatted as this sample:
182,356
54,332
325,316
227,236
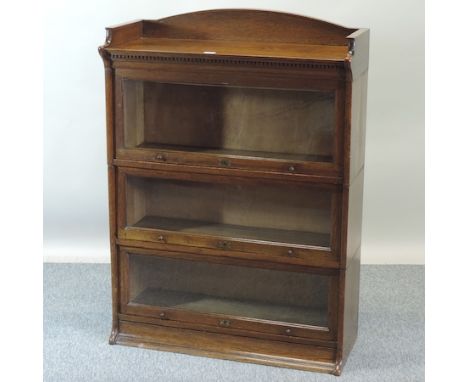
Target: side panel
112,192
352,216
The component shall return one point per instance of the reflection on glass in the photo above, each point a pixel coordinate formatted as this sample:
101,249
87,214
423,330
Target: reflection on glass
289,297
273,213
282,124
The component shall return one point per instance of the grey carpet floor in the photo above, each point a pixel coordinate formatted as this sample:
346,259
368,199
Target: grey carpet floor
390,346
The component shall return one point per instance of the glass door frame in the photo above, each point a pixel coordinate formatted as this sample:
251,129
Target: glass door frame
289,253
224,322
281,81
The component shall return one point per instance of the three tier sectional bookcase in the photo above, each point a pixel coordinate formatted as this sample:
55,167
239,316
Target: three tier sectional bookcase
235,143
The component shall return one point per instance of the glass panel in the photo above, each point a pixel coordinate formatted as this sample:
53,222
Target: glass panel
291,297
282,124
275,213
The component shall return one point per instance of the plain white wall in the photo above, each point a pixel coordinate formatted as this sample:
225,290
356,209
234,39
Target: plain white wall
75,183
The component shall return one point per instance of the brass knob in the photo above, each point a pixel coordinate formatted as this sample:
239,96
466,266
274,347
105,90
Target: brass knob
160,157
223,245
291,169
290,252
225,162
162,315
288,331
161,238
225,323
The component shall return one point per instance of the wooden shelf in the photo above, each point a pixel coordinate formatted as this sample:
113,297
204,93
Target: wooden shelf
234,231
202,303
246,154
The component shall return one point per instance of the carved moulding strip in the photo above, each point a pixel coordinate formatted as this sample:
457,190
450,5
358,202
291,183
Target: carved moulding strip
227,61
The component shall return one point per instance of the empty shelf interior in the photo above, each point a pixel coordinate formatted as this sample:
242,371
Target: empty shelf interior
261,211
236,153
234,290
257,122
203,303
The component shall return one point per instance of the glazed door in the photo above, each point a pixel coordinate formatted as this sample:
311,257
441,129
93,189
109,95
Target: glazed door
264,129
234,295
265,220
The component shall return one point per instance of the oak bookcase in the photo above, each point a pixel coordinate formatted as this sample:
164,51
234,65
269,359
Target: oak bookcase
235,142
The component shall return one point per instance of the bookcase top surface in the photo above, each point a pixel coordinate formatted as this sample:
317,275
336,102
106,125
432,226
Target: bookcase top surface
235,33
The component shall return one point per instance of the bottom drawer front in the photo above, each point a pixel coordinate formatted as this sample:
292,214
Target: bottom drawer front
168,286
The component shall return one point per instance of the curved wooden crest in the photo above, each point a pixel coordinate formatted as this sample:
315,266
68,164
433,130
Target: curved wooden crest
247,25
